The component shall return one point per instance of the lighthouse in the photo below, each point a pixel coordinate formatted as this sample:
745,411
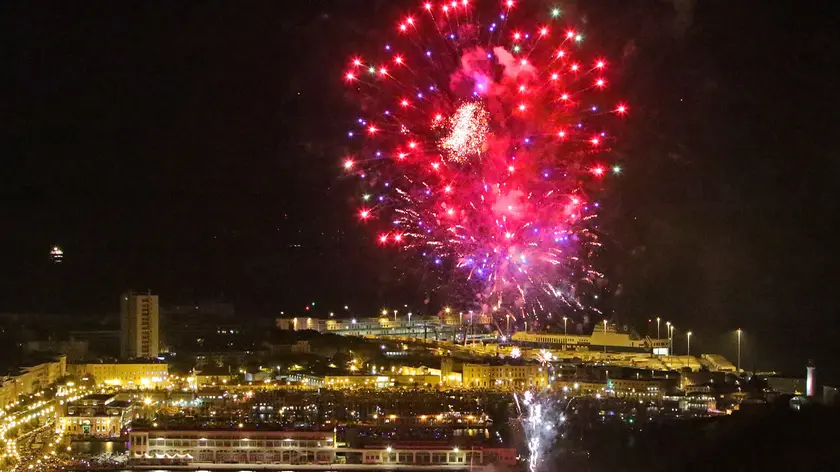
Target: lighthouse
810,380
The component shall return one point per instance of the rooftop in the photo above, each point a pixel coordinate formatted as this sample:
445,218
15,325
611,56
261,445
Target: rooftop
114,361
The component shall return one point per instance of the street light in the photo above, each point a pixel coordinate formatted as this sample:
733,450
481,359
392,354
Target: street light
605,332
565,331
671,338
688,343
739,349
657,327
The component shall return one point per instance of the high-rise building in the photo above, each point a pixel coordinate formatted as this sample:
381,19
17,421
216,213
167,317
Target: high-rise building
139,317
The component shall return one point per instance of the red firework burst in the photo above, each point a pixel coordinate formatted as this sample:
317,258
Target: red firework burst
479,140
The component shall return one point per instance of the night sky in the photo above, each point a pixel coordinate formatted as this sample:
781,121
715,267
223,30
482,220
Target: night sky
194,149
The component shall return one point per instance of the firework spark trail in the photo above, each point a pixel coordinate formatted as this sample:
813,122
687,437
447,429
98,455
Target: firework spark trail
479,147
537,421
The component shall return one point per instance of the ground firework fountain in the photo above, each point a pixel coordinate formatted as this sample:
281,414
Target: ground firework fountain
539,423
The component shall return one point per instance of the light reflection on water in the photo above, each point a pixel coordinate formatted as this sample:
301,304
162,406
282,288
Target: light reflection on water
97,447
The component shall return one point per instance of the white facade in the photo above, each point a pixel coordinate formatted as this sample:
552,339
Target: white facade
282,447
153,447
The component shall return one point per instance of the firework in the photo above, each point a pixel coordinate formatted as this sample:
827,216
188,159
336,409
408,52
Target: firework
482,137
544,357
539,419
515,353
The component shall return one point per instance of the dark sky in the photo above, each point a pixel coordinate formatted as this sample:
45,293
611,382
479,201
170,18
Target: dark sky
190,148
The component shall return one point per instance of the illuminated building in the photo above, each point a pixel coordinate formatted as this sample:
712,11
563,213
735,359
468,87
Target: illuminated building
682,362
195,447
212,375
145,374
449,456
719,363
504,376
282,447
96,415
786,385
31,377
139,318
466,319
380,381
427,327
447,375
635,389
694,402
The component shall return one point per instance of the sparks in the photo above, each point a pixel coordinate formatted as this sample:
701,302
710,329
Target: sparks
480,147
467,132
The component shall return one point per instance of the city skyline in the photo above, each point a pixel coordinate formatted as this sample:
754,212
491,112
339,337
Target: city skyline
141,176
